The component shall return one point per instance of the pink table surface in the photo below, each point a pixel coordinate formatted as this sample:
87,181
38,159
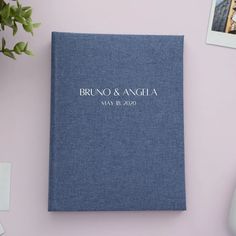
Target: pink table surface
210,121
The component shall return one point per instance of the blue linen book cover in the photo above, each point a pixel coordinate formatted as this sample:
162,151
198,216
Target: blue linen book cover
117,137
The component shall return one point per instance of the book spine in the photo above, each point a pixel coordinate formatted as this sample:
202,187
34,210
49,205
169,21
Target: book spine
52,150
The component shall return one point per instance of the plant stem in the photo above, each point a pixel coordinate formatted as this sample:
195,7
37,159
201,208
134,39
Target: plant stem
9,50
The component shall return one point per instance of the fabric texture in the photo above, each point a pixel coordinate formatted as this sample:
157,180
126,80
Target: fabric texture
116,151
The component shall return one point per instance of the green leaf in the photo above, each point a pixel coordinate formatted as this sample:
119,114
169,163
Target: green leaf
28,13
8,22
18,12
36,25
13,10
17,50
26,8
20,19
15,28
8,53
6,11
19,47
18,4
26,47
28,21
2,4
28,52
28,28
3,44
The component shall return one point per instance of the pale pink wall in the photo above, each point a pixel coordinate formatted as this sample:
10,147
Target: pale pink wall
210,121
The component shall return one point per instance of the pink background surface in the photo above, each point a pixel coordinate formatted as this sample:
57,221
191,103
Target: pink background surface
210,121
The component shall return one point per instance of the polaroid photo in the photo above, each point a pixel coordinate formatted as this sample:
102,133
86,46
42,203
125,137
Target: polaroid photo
5,182
222,23
1,230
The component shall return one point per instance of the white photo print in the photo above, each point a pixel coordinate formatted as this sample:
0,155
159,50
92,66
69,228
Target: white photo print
222,25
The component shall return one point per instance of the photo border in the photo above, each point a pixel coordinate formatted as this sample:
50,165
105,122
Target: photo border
219,38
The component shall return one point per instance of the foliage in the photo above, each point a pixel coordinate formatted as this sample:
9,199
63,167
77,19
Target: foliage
13,15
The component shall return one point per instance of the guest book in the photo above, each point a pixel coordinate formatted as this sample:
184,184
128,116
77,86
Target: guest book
116,140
